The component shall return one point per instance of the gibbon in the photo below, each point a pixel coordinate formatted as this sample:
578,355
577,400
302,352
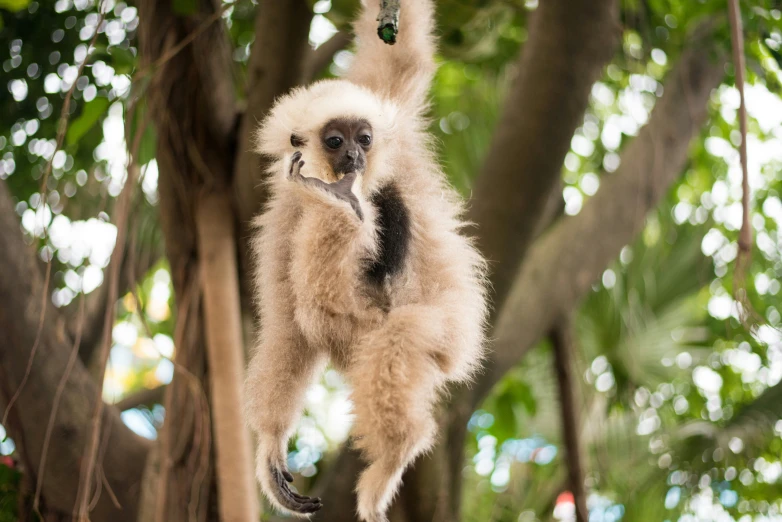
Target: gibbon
360,261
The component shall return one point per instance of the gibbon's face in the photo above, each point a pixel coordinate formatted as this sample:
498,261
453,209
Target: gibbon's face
345,143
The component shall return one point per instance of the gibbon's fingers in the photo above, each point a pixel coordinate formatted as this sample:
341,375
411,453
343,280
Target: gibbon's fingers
296,165
341,189
290,500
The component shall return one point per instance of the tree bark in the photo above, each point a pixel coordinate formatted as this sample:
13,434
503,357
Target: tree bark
123,461
220,284
191,101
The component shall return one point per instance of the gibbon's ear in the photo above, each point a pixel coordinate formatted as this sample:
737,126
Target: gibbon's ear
276,133
297,141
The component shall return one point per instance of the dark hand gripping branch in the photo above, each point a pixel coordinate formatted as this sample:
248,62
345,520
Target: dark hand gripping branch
388,21
290,500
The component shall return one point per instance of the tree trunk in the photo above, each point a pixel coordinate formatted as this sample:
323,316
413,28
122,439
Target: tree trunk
191,102
220,282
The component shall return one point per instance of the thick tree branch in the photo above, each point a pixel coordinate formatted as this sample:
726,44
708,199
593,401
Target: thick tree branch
125,452
146,397
238,498
561,267
569,43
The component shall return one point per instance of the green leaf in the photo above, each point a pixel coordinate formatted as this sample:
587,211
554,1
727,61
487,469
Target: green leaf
522,394
504,418
122,60
14,5
90,115
148,145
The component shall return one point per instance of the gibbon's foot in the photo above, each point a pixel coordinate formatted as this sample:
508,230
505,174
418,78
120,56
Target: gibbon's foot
290,500
341,189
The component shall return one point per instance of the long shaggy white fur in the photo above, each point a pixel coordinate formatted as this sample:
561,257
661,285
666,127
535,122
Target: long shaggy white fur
311,255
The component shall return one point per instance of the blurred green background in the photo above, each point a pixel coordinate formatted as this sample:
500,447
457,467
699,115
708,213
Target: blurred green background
681,403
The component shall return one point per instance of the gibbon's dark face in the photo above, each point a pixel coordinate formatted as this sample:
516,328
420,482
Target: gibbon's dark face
346,143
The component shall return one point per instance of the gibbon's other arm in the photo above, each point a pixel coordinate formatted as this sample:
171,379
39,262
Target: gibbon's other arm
282,364
403,71
278,377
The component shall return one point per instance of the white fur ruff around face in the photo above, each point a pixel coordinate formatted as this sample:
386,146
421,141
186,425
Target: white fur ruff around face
305,109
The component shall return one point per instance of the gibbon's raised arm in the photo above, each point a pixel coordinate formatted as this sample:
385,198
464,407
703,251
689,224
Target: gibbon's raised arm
401,72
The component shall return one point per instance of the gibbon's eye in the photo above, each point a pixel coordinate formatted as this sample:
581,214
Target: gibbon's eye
334,142
365,139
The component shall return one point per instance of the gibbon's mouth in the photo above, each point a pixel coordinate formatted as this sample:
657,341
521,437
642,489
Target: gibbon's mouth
341,175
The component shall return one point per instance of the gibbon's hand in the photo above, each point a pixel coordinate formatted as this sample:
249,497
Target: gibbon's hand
340,189
287,498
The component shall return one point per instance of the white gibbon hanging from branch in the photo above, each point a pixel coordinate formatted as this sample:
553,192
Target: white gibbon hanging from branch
361,261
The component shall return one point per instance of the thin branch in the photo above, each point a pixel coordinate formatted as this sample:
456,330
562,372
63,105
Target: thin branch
563,347
737,40
388,21
748,316
56,404
123,206
143,397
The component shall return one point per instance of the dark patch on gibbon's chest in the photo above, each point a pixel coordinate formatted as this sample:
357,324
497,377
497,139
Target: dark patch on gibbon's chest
393,223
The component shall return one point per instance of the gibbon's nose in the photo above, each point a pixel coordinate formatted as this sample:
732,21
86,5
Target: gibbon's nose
352,154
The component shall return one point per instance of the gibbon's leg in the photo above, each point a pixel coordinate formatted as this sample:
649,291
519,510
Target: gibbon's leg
278,377
396,375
